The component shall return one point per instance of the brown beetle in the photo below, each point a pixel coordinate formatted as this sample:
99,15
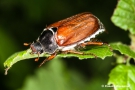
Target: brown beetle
66,34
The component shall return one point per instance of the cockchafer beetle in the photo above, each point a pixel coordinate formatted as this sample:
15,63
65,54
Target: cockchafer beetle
65,35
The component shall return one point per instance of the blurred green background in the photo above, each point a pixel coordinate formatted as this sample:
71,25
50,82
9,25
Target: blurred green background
23,21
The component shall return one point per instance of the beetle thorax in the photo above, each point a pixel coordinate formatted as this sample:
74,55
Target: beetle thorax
45,43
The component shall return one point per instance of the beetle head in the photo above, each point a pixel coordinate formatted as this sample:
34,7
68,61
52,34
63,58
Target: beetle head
36,48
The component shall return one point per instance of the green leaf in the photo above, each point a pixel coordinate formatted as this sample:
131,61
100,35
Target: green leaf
123,49
98,51
123,77
124,15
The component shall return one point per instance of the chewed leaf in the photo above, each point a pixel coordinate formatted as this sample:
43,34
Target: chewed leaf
18,56
92,52
124,15
89,52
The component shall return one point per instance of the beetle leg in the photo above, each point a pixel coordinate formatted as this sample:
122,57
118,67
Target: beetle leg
72,51
91,43
36,59
94,43
48,58
81,53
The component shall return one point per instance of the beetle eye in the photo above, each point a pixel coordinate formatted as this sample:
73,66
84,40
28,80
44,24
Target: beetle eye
54,29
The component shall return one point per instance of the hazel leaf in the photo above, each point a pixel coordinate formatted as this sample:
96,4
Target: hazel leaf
89,52
124,15
122,77
123,49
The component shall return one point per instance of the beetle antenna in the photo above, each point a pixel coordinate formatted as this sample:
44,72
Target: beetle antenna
26,44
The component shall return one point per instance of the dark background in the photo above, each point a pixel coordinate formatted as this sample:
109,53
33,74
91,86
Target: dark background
23,21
